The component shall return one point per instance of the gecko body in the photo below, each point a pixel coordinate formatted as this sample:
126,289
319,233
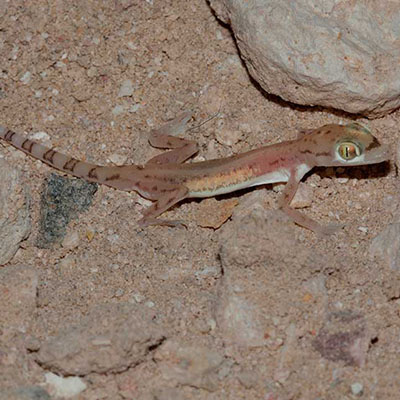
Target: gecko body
166,180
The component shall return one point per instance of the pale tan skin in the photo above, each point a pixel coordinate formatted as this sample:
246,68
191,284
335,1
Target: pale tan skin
166,180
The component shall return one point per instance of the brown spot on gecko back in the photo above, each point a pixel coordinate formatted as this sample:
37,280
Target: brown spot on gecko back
113,177
373,144
322,153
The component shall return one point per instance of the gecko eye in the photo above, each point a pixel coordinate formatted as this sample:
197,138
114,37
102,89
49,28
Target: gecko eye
349,151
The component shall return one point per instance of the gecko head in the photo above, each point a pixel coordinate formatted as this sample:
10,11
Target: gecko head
345,145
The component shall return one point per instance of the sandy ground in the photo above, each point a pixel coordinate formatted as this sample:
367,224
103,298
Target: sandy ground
62,65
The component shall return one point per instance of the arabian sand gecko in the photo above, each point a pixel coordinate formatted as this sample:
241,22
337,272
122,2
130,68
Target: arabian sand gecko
166,179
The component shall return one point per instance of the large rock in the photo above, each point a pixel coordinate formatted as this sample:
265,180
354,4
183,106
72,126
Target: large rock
322,52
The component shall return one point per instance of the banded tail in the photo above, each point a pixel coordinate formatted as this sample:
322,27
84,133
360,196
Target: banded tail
60,161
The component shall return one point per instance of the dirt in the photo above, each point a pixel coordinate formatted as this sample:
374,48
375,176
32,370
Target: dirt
331,307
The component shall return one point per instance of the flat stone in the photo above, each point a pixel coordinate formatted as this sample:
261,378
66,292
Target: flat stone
110,338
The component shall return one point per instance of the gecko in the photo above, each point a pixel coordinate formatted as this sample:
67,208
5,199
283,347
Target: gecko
166,179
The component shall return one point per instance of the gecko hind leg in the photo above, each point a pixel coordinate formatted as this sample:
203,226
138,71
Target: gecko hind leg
163,203
164,138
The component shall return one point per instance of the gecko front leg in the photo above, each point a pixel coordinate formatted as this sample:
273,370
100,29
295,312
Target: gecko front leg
303,220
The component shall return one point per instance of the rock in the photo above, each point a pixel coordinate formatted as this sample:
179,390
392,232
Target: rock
344,337
227,133
357,389
213,213
71,240
110,338
62,199
334,54
65,387
40,136
189,364
117,110
126,89
26,77
18,290
14,217
303,197
259,255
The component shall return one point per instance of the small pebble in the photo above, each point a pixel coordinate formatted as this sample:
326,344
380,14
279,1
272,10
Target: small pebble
363,229
40,136
138,297
212,323
92,72
119,292
149,304
89,234
134,108
65,387
126,89
303,197
118,110
357,389
113,238
117,159
26,77
71,240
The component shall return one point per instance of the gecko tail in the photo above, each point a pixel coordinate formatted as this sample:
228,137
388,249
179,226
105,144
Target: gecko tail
60,161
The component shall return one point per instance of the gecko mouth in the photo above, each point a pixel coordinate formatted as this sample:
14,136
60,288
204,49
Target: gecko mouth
378,155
